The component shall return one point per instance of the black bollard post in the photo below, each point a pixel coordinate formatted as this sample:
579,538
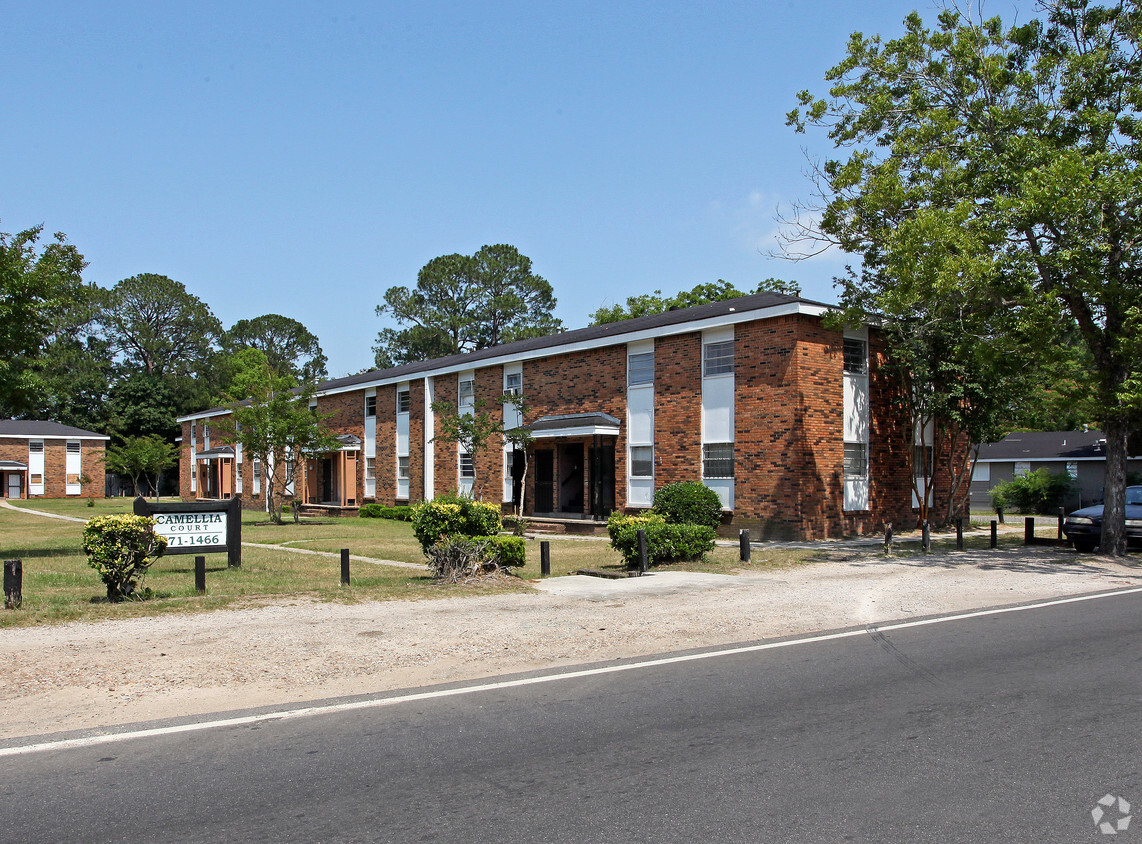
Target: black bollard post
13,584
888,537
925,536
960,533
1029,531
642,561
200,575
999,513
545,558
344,566
1062,517
743,545
994,533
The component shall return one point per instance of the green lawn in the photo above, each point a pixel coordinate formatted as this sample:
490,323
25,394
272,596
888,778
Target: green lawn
59,586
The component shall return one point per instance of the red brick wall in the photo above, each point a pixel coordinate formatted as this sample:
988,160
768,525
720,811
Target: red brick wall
447,463
677,410
490,464
386,445
91,454
415,440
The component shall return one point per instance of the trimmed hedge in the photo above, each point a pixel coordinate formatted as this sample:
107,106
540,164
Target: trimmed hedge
665,542
1039,492
506,551
380,511
121,548
688,503
454,516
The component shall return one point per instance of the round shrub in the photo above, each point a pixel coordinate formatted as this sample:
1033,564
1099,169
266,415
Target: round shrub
453,516
122,548
689,503
665,543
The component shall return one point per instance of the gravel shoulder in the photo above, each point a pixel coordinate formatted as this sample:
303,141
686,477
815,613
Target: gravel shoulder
92,676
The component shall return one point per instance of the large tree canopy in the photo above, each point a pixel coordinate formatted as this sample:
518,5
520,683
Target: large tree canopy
1002,163
290,348
158,326
462,303
38,285
647,304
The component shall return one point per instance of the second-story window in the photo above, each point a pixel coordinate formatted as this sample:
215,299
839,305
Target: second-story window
718,358
370,406
404,402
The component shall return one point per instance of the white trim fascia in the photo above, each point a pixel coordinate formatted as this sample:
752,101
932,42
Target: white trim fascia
583,431
790,309
204,414
71,437
1048,459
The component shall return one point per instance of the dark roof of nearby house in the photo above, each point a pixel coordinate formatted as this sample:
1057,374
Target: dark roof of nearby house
1046,445
37,428
711,310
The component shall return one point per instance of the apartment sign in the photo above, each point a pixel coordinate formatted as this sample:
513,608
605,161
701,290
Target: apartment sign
206,531
199,527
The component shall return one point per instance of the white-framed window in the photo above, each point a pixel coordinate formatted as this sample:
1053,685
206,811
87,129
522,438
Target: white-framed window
370,468
466,394
642,461
404,401
36,467
856,356
718,460
718,358
467,465
1073,468
640,369
513,383
402,469
856,460
922,461
370,406
72,467
1022,467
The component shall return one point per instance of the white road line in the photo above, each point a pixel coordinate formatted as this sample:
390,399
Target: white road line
303,712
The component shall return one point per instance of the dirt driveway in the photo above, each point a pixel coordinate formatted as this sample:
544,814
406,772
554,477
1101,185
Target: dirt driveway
87,676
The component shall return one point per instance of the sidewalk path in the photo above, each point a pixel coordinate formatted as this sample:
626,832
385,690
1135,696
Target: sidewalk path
353,557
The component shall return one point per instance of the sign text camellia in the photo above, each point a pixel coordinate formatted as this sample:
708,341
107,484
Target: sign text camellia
198,527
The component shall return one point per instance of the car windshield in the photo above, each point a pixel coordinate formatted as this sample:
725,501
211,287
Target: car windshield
1134,495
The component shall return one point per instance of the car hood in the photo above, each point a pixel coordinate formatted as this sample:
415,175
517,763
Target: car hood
1133,511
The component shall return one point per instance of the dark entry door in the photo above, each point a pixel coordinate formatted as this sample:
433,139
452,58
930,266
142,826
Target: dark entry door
327,491
571,479
544,481
602,484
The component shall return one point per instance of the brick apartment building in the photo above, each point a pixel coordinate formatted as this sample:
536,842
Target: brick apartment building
790,423
50,460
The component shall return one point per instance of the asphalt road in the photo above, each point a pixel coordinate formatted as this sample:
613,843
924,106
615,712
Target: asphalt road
998,728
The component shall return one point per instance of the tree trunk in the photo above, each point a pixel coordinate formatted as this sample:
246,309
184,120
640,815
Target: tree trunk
1114,489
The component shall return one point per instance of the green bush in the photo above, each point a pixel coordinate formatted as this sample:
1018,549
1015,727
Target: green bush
121,548
688,503
665,542
451,515
506,551
1038,492
380,511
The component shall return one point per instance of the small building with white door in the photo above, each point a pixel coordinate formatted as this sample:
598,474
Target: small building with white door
41,459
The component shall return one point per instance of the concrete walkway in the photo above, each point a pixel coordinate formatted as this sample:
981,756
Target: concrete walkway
334,554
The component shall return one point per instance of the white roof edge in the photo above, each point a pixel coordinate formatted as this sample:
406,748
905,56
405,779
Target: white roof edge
1046,459
733,318
582,431
55,437
787,309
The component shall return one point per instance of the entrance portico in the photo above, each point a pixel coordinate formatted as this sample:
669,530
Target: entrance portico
574,457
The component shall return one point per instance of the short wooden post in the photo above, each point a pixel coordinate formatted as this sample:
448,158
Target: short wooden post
999,513
1029,530
200,575
544,558
994,533
1062,517
13,584
925,536
642,560
960,533
743,545
344,566
888,537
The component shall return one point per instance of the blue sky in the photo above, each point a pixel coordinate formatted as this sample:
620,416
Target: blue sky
302,158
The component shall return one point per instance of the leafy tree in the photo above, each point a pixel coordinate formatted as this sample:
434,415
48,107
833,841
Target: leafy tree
476,431
1018,147
647,304
140,457
37,285
158,326
290,347
142,405
462,303
271,419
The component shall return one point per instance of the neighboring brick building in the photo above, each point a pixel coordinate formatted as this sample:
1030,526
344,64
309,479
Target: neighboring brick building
50,460
789,421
